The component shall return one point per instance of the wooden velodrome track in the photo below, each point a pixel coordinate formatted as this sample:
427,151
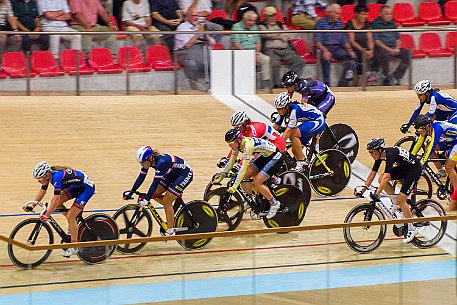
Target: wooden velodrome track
99,135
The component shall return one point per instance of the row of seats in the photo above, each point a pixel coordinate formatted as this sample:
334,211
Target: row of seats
429,13
101,60
430,45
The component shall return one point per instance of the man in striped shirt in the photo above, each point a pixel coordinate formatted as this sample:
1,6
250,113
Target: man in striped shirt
304,13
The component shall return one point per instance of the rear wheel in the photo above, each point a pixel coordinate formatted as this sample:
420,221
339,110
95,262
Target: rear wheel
300,181
348,142
134,221
430,233
229,208
424,189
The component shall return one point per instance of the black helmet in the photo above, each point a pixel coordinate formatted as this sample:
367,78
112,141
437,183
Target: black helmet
289,79
376,143
232,135
422,121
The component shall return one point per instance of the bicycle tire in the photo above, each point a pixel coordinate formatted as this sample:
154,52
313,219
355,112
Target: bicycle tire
291,198
142,229
206,221
348,141
300,181
330,185
408,143
22,233
103,227
360,243
229,212
429,233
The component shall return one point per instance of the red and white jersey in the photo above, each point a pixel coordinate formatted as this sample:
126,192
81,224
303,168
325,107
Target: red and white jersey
263,131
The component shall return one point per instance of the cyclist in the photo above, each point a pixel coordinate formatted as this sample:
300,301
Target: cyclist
400,164
443,137
312,91
261,159
172,176
312,123
68,184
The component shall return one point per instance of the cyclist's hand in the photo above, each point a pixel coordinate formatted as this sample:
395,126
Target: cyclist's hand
28,207
404,128
375,197
44,217
144,203
236,168
274,116
128,196
222,162
231,190
217,179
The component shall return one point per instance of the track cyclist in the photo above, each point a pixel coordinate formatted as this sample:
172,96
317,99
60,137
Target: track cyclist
261,159
172,176
68,183
400,164
443,137
312,123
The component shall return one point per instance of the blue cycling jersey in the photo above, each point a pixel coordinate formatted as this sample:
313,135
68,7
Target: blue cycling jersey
311,88
69,178
441,104
299,113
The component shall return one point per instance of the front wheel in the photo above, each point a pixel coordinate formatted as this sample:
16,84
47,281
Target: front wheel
229,208
430,233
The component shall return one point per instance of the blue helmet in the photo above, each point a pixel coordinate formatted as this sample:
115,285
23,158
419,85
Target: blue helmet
143,153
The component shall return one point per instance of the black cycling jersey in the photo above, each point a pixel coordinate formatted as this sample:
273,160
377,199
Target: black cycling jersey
396,157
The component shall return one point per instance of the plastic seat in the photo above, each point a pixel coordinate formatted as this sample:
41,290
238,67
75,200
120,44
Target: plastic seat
3,74
407,42
430,43
288,18
347,13
279,16
218,46
373,11
404,15
15,65
136,62
321,12
118,36
451,41
68,62
430,12
450,11
158,58
102,61
45,65
302,49
218,13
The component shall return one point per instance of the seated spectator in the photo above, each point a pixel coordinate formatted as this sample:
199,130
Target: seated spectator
334,45
136,17
304,13
387,47
252,42
167,16
219,5
28,20
204,8
362,2
190,48
276,46
84,19
10,43
108,6
54,15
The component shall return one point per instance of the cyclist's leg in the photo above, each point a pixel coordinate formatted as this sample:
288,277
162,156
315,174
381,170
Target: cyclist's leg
250,172
408,184
450,169
295,139
175,189
78,205
267,167
308,130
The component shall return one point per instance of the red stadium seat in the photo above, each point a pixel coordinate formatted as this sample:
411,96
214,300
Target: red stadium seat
288,18
430,43
347,13
404,15
373,11
450,11
118,36
68,62
218,46
430,12
321,12
218,13
302,49
158,58
3,74
102,61
407,42
45,65
279,16
451,41
15,65
136,62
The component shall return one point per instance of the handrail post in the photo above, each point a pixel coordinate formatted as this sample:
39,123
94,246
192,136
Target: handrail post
175,73
364,70
127,70
77,59
318,64
455,68
410,59
27,73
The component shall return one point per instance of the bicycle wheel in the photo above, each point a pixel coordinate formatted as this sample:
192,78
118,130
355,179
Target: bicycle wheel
424,189
97,227
300,181
32,232
201,218
430,233
133,223
322,181
408,143
367,238
348,140
208,189
293,207
229,208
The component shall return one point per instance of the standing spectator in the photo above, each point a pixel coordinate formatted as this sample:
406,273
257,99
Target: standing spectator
190,48
8,22
84,19
334,45
28,20
54,15
136,17
276,46
252,42
388,47
304,13
167,16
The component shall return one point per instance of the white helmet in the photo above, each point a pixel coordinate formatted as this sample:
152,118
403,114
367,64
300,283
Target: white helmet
143,153
238,118
422,87
282,100
41,169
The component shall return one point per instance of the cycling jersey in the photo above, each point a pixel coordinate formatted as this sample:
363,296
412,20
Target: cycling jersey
266,132
444,134
317,93
442,105
75,183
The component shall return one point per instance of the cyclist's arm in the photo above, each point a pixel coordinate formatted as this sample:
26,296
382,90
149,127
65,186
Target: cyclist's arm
232,160
247,155
432,109
40,195
418,145
286,134
416,113
431,146
369,180
386,177
55,202
161,169
139,181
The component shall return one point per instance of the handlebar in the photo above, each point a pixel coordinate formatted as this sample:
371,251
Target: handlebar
140,195
30,205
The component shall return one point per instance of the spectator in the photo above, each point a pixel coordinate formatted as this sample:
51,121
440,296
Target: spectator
11,43
304,13
84,19
167,16
204,8
136,17
28,20
442,3
276,46
252,42
190,48
219,4
388,47
334,45
54,15
108,6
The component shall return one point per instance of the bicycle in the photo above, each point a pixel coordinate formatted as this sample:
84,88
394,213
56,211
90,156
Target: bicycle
341,137
34,232
367,238
196,216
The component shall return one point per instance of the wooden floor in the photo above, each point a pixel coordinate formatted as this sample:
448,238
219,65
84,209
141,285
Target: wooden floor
100,135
